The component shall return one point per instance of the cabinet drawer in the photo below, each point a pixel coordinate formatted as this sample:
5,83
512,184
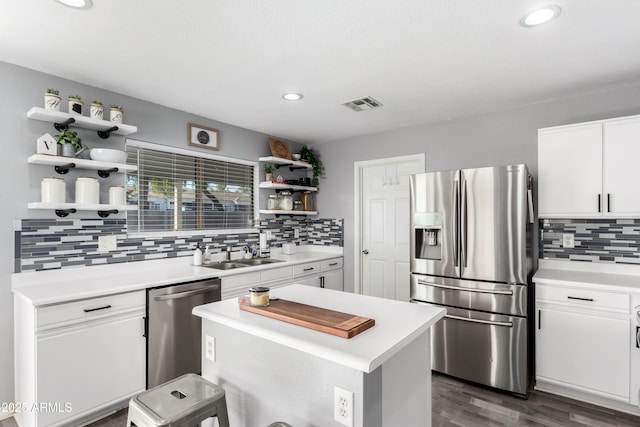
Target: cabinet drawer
275,274
331,264
238,280
89,309
583,297
306,269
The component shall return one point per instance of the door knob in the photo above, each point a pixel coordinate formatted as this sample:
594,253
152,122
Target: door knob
366,252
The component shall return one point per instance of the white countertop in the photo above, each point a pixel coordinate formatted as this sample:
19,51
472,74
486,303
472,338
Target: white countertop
56,286
612,277
397,324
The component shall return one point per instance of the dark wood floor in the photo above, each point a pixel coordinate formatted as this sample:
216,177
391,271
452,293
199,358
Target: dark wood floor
460,404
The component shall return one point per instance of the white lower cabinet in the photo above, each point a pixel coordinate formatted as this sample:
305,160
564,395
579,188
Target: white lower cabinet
325,274
78,360
583,343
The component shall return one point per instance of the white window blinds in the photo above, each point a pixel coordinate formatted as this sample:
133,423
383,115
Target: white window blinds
175,191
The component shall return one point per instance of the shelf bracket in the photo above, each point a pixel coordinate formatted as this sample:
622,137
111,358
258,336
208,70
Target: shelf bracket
65,212
104,214
104,134
64,125
106,172
63,169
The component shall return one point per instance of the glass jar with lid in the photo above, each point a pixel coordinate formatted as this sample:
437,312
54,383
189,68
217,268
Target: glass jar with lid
307,201
286,201
273,202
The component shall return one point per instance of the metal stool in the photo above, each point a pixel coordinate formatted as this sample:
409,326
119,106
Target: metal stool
184,401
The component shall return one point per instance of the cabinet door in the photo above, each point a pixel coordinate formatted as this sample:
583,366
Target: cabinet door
309,281
333,280
90,366
621,154
587,351
570,171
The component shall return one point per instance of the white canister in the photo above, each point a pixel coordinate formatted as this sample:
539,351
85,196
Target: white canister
52,190
117,196
87,191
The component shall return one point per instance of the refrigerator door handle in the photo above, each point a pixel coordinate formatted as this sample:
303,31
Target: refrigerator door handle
530,198
458,288
456,222
463,225
485,322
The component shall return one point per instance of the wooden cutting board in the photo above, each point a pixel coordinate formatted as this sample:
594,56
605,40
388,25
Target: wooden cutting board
332,322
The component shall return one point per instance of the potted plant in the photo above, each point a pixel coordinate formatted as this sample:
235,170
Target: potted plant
312,158
96,110
115,113
70,142
52,99
75,105
268,172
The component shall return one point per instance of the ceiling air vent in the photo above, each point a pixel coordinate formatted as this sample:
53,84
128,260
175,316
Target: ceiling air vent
363,104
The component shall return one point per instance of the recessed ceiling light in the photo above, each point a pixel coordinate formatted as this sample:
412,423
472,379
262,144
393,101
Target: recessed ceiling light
292,96
77,4
540,16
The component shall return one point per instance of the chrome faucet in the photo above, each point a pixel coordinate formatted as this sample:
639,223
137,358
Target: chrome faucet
228,252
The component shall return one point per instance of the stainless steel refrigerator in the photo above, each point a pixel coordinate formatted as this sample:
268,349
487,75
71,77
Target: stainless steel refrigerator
471,254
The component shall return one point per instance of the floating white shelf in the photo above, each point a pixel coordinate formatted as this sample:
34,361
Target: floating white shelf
52,116
81,207
44,159
285,186
283,212
280,161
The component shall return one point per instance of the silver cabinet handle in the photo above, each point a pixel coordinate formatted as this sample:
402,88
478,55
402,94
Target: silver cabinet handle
484,322
366,252
457,288
187,293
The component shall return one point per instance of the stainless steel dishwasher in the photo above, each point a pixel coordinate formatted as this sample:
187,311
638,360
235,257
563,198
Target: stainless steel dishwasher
173,333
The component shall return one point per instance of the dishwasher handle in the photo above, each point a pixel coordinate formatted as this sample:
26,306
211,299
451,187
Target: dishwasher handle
186,293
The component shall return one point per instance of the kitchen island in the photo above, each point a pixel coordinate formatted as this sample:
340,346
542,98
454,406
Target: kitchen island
276,371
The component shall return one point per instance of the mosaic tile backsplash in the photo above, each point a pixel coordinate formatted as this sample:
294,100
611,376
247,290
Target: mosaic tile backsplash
45,244
596,240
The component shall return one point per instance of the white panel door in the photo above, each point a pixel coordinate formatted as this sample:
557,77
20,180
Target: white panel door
621,154
586,351
570,171
385,228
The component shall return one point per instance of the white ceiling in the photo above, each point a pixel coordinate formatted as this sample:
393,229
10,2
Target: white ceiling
230,60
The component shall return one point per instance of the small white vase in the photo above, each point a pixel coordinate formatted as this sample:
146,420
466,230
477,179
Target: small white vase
75,107
115,115
52,102
96,111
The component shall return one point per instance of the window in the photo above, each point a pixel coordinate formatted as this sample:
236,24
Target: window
183,190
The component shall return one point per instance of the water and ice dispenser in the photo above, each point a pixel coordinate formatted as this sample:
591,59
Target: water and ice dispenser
428,229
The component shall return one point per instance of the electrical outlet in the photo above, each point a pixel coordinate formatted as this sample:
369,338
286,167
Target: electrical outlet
210,348
343,406
567,241
107,243
296,233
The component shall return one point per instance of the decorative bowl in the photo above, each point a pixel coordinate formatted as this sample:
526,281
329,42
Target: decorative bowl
296,156
108,155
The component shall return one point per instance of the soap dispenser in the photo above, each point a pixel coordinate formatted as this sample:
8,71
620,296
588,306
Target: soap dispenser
206,257
197,256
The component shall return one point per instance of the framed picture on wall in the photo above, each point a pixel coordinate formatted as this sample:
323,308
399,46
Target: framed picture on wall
203,137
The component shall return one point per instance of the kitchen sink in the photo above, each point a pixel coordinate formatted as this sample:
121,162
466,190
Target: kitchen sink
225,265
240,263
257,261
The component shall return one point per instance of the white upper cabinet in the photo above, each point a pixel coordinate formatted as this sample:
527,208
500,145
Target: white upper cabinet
587,170
621,156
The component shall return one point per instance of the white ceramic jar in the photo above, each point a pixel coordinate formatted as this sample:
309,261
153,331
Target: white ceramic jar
117,196
52,190
87,191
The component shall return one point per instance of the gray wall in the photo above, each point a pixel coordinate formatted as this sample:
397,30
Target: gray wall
22,89
497,138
